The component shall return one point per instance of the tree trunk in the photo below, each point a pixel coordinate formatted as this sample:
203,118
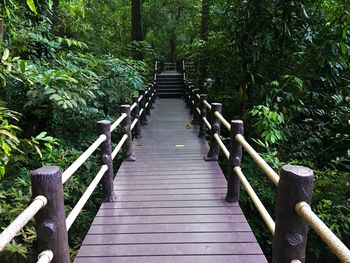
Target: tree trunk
205,19
136,28
173,47
55,19
201,67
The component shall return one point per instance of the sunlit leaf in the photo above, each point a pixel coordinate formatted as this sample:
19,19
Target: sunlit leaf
32,6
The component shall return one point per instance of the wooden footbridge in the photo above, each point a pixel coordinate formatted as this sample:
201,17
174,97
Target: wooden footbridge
170,201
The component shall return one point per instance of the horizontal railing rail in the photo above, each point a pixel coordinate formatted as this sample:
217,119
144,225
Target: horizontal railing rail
294,188
47,182
22,219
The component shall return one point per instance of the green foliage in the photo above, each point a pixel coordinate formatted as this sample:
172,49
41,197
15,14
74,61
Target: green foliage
8,139
61,85
282,66
268,123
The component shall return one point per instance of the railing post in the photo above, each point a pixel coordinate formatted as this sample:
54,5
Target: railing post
289,241
143,118
191,98
155,69
153,97
196,115
234,160
136,115
104,127
148,96
50,221
213,154
184,68
203,108
128,152
187,94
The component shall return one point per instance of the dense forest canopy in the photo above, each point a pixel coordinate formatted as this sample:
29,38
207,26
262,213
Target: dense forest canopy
281,66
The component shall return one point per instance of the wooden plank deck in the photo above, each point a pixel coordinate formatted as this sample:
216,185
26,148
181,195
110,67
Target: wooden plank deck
170,204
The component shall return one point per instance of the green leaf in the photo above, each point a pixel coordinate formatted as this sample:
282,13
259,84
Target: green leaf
32,6
343,48
22,65
38,151
6,54
8,13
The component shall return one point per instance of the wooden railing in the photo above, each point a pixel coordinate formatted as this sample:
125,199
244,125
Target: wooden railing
47,182
294,185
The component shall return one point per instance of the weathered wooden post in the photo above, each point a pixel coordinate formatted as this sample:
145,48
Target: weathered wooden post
153,96
289,241
128,152
187,94
196,115
136,115
148,96
191,98
203,108
104,127
183,69
143,118
234,160
50,221
213,154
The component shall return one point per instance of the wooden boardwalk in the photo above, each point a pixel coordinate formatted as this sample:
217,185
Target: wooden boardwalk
170,204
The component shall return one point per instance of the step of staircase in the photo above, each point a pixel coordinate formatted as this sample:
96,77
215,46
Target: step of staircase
170,85
170,95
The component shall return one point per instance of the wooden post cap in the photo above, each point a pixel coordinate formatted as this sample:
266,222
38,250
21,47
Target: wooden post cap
47,170
296,170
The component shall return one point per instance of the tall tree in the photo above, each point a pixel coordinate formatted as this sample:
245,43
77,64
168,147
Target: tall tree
203,36
136,26
205,19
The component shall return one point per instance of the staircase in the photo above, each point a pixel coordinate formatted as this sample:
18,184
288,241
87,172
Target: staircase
170,84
